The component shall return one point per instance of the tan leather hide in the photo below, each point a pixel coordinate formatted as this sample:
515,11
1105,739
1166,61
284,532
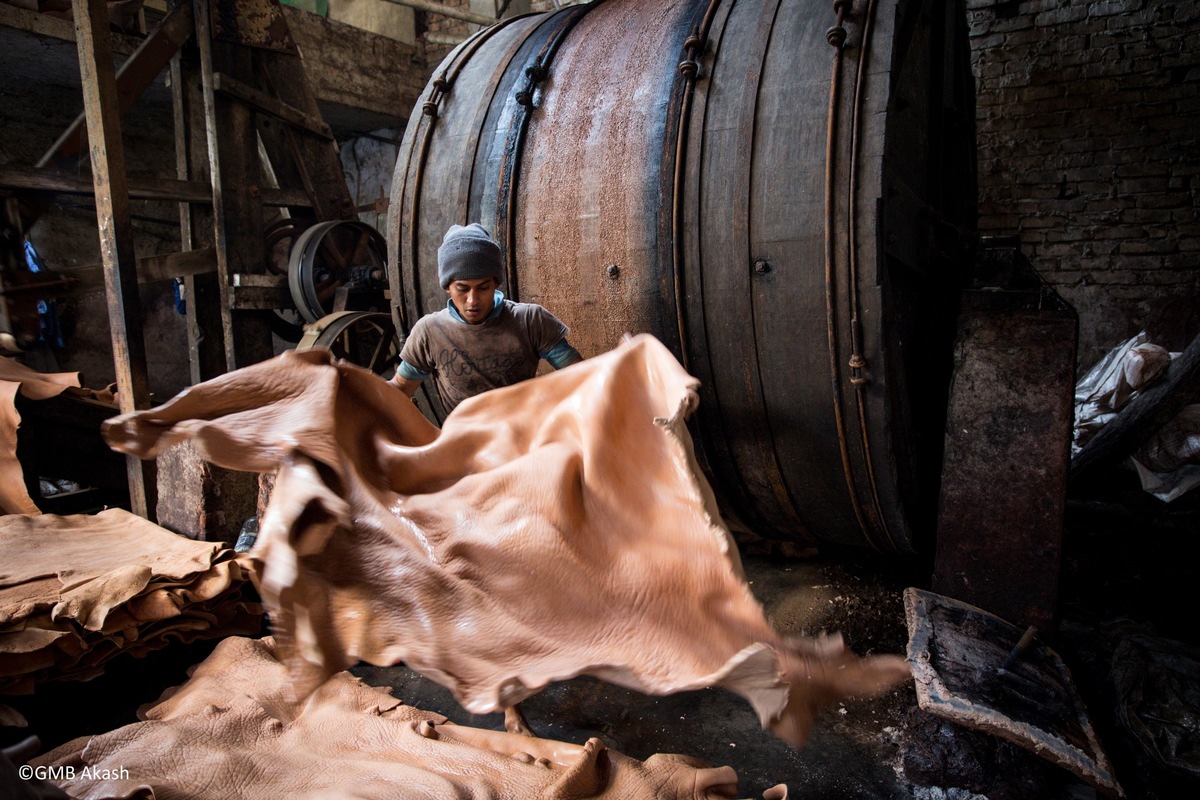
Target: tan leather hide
16,377
232,731
77,590
553,528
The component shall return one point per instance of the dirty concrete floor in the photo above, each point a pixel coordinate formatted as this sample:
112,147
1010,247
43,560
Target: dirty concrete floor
1129,564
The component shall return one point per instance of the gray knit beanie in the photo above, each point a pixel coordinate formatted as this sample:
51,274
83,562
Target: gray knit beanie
468,253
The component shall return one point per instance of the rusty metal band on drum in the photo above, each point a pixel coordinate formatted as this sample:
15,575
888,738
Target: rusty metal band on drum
535,73
439,88
837,39
694,49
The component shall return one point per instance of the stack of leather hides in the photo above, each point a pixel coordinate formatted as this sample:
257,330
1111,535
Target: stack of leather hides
77,590
206,741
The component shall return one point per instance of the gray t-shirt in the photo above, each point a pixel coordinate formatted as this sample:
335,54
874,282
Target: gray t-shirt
466,360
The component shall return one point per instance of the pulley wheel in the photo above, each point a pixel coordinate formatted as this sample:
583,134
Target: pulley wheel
329,255
365,338
280,237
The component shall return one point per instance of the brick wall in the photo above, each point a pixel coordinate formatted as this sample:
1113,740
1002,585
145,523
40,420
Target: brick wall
1089,151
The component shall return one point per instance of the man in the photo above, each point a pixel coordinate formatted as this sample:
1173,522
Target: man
481,340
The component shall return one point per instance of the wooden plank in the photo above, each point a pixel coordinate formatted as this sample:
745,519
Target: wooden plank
153,269
53,180
58,28
220,241
977,670
201,293
202,501
289,198
134,76
314,162
170,189
1144,415
116,230
363,80
269,105
1003,488
258,295
237,176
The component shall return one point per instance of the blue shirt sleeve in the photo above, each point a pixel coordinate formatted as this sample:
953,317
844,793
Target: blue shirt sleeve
411,373
561,355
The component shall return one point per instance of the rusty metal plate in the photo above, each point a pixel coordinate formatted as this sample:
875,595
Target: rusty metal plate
254,23
958,652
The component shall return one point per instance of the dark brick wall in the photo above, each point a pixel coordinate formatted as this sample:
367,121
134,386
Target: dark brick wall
1089,151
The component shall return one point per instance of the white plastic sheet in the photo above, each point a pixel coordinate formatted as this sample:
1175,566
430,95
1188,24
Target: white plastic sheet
1168,463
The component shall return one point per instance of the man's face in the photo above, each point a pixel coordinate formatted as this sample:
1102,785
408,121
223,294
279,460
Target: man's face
473,299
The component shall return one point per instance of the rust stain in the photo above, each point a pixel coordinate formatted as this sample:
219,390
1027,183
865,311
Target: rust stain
606,136
254,23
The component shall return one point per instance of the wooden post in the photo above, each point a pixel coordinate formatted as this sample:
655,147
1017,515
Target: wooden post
300,156
236,171
116,233
202,294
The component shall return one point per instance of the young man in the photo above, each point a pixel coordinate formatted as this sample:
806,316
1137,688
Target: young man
480,340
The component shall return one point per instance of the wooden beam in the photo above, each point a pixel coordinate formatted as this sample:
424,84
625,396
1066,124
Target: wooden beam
60,182
237,178
297,157
202,294
220,241
369,81
1142,416
446,11
152,269
183,191
262,292
291,198
57,28
134,76
116,231
269,105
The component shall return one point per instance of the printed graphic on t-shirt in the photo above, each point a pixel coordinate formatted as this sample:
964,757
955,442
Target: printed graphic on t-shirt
506,368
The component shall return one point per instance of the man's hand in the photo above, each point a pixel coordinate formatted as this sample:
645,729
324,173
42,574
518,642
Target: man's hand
405,385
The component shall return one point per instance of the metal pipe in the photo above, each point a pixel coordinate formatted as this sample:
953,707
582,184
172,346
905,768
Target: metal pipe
443,38
446,11
837,38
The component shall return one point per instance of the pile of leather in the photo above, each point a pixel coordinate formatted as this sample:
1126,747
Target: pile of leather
77,590
550,529
232,731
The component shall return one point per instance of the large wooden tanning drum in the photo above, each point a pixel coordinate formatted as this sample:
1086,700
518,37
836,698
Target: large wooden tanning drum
782,191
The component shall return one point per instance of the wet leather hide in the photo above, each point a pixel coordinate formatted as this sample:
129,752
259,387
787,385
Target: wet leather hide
550,529
231,731
77,590
14,378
